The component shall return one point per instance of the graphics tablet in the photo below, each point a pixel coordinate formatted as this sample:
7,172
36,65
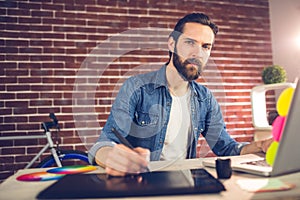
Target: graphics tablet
73,186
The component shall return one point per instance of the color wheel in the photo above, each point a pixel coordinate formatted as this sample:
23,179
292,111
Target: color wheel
39,176
72,169
56,173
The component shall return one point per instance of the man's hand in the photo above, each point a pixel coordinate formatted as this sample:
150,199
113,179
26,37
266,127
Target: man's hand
121,160
265,144
257,146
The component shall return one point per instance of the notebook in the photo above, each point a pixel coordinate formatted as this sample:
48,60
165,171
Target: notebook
287,158
74,186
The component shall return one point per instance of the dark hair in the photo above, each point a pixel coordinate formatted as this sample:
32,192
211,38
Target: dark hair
193,17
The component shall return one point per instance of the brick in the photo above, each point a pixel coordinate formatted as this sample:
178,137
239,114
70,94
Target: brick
14,73
4,143
2,11
16,27
63,102
51,95
26,5
11,57
64,73
68,15
52,65
16,42
41,73
64,43
54,50
29,80
76,51
8,4
86,2
8,96
48,110
40,103
72,141
42,13
8,19
30,50
68,59
16,104
40,58
9,34
53,35
15,119
53,80
31,35
29,65
19,111
9,80
75,7
76,37
29,20
52,7
7,127
12,151
24,158
18,88
42,88
5,111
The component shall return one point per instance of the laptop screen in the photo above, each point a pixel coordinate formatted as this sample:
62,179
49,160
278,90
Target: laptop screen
287,159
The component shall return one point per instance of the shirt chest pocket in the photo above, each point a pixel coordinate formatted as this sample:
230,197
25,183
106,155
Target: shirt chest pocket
146,119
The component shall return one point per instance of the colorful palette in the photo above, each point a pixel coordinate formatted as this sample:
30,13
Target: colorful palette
39,176
56,173
72,169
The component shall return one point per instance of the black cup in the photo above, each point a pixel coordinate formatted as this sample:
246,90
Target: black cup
223,167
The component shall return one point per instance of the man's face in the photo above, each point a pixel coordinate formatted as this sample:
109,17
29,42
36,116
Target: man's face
192,50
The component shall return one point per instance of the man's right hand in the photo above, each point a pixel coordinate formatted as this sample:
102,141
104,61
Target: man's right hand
120,160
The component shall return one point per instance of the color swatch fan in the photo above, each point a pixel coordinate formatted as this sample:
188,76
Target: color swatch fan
72,169
39,176
56,173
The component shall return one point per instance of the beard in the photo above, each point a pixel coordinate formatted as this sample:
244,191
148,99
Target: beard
189,69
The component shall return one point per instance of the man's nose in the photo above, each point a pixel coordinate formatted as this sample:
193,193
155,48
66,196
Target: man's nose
198,51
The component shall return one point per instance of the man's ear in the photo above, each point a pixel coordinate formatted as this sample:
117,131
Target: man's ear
171,44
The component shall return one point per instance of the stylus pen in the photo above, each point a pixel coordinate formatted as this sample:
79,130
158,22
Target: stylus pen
125,142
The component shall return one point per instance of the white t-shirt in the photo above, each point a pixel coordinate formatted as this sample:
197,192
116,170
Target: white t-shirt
179,128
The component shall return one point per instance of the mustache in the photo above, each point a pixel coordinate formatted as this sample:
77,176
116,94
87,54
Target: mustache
193,61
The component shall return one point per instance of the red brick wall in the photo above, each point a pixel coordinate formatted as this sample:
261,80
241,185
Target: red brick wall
70,57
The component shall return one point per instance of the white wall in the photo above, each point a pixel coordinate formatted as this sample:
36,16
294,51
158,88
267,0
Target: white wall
285,33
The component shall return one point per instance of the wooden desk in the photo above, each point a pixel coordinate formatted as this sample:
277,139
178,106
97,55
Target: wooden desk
13,189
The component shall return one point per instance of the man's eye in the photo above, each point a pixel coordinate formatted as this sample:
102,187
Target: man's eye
189,42
206,47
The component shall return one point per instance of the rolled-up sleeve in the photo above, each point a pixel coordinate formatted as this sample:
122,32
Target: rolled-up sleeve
93,150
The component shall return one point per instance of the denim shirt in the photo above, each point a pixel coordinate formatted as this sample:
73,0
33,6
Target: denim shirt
141,113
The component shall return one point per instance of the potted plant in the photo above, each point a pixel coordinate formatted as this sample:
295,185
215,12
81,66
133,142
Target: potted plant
273,74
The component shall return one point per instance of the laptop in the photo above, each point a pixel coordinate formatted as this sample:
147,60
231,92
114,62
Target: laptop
74,186
287,159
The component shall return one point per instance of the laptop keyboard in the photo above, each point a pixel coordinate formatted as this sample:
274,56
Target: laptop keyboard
262,163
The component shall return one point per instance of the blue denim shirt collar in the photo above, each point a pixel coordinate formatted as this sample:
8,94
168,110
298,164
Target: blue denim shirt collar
161,81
